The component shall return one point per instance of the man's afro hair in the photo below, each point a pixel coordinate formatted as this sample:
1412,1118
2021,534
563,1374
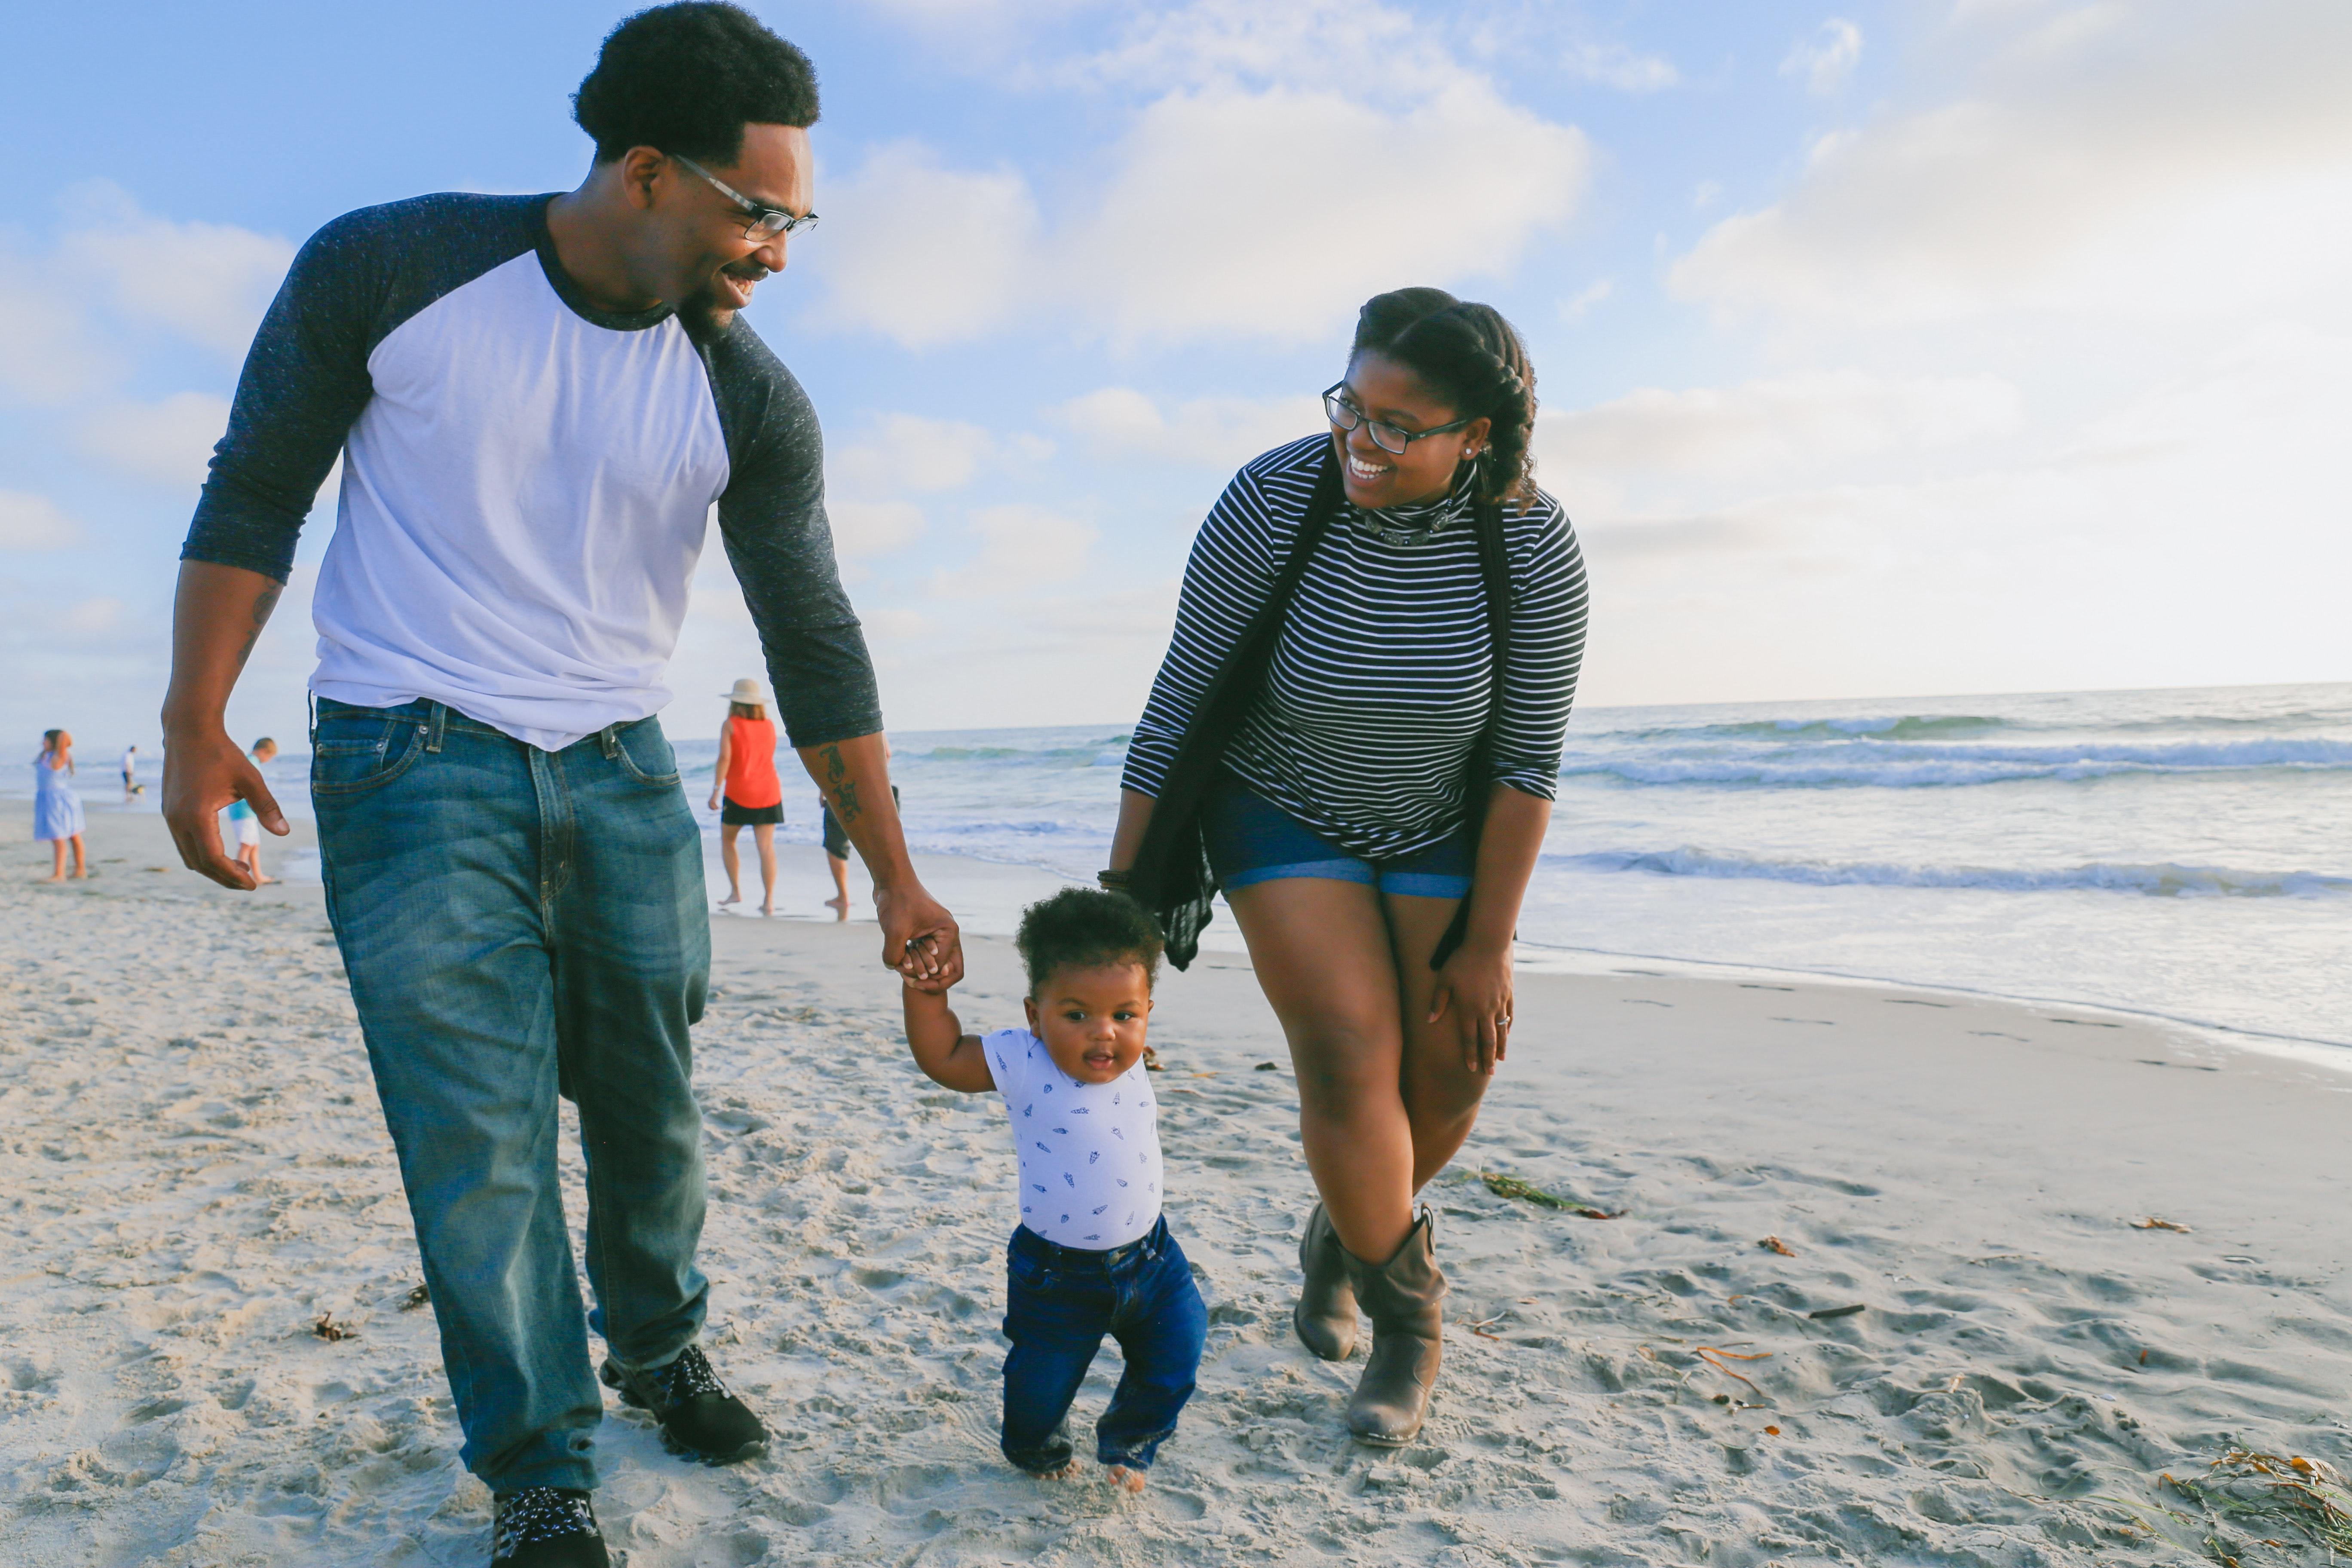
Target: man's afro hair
688,77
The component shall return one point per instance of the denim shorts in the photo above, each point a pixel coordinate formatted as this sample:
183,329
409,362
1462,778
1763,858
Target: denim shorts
1250,839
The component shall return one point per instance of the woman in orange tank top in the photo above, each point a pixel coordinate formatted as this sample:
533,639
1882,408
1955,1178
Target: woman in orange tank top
745,778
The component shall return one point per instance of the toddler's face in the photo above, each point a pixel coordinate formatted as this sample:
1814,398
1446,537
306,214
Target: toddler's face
1092,1020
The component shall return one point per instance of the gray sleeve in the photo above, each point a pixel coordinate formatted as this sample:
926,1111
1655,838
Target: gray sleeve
771,519
305,380
306,377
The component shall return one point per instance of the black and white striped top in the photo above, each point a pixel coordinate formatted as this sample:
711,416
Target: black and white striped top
1379,684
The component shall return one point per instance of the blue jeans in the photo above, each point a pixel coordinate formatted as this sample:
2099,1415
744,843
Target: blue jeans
520,924
1060,1302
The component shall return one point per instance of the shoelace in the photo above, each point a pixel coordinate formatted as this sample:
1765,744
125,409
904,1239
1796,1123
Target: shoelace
688,1376
538,1513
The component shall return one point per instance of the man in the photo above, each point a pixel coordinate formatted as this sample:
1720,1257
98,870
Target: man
130,785
537,400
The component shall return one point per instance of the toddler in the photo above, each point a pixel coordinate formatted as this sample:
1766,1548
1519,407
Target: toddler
244,825
1092,1255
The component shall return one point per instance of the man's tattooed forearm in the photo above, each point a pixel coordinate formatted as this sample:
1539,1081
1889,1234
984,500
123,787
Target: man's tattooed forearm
262,605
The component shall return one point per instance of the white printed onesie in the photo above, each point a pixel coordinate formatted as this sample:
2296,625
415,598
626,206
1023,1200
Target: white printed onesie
1089,1151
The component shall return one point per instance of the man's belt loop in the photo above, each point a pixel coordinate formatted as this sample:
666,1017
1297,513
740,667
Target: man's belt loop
436,726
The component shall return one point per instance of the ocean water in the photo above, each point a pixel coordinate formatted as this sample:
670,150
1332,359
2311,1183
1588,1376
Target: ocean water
2187,853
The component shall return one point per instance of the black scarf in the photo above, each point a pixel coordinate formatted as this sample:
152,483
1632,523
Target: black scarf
1172,876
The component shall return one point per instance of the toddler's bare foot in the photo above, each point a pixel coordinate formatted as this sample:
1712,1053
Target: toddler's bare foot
1125,1478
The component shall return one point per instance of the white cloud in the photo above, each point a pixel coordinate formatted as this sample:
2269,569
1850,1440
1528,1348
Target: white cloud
2157,168
864,527
1205,231
1825,59
906,451
167,443
1575,309
207,282
2190,536
1220,433
30,522
46,357
93,616
1769,428
1234,203
1614,65
1021,547
921,253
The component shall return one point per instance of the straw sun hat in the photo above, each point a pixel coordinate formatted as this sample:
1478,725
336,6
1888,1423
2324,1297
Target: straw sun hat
747,690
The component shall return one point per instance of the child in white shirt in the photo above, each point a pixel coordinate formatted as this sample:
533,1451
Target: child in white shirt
1092,1255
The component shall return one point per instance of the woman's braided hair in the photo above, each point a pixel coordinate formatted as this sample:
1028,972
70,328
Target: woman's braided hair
1469,355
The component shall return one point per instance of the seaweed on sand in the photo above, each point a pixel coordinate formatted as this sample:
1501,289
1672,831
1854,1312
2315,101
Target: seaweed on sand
2271,1491
1504,1186
2264,1496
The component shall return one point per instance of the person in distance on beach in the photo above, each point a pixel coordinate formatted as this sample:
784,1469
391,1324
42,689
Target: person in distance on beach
132,787
56,808
1091,1253
246,826
537,400
745,791
1356,732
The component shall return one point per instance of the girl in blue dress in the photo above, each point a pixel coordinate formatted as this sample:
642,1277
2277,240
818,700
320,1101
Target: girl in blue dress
57,809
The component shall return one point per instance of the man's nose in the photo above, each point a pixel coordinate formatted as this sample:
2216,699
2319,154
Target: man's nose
770,255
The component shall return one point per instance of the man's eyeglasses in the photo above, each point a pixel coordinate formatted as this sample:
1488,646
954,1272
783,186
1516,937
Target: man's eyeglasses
1390,439
760,222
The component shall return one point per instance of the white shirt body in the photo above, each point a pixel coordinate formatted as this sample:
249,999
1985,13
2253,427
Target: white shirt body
1089,1152
524,499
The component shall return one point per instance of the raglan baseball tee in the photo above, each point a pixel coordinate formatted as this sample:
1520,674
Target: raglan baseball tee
527,481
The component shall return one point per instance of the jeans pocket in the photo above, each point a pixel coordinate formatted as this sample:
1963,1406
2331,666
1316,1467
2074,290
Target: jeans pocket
352,757
1028,1275
644,754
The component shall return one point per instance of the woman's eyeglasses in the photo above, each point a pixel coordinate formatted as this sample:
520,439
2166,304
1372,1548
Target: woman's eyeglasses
1390,439
760,222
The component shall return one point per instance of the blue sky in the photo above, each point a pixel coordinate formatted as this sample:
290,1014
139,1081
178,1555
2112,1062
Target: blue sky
1883,349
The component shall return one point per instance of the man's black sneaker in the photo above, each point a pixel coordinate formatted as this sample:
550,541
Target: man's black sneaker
547,1527
699,1418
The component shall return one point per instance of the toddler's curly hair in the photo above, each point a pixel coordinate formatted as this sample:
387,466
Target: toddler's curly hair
1085,928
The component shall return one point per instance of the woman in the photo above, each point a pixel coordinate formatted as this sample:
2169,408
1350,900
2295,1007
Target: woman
746,777
57,809
1329,740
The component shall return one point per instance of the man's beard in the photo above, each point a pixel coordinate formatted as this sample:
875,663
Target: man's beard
706,312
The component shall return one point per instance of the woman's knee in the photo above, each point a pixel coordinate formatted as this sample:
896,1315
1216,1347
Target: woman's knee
1342,1063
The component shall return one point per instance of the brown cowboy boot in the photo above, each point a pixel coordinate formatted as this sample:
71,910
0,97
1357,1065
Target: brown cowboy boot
1325,1316
1404,1298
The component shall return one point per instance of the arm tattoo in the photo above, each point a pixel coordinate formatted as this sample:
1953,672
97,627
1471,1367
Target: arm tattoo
843,788
262,605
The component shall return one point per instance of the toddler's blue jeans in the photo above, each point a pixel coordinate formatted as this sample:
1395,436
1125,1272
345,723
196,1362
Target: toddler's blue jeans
1060,1302
521,924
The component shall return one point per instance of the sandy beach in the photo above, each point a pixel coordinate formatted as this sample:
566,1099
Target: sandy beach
208,1355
